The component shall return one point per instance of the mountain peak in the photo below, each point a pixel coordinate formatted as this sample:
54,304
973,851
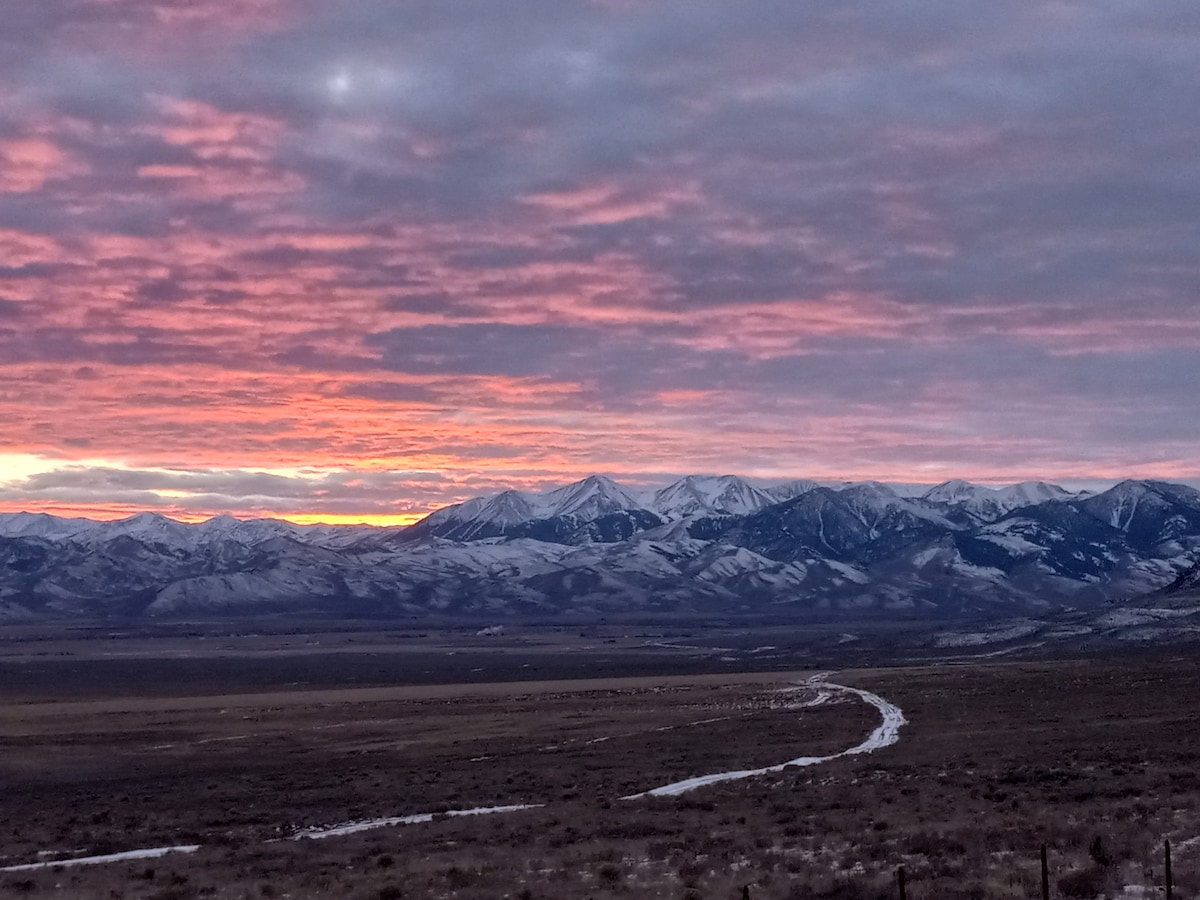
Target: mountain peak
594,496
789,490
146,517
709,495
869,489
953,491
862,548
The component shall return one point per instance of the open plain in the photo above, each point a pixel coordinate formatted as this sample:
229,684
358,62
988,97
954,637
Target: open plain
249,748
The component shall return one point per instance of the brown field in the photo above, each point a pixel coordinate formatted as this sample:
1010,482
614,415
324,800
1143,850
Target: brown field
136,743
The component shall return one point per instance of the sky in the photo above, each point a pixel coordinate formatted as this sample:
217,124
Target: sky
355,261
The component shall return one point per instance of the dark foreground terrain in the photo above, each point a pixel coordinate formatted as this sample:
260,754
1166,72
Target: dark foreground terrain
240,743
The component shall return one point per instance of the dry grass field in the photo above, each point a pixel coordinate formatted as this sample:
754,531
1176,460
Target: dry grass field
1098,758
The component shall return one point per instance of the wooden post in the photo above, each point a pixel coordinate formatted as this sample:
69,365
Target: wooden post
1045,876
900,882
1167,860
745,892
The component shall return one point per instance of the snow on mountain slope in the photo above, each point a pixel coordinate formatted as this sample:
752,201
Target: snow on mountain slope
985,504
709,495
54,528
240,591
590,498
1030,493
513,514
340,537
642,558
492,558
151,528
467,511
595,548
249,531
1146,512
486,518
789,490
158,529
875,504
726,564
956,492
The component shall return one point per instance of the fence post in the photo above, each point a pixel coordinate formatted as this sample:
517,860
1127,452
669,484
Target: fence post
1167,860
1045,876
745,892
900,882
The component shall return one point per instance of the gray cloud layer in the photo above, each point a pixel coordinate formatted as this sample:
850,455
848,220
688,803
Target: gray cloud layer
968,224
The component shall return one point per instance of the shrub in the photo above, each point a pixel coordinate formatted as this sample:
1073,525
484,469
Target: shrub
1084,883
609,874
459,878
1098,852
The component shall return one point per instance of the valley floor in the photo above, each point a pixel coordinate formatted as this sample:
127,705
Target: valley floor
233,746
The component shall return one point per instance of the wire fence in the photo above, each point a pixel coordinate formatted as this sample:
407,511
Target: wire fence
1167,887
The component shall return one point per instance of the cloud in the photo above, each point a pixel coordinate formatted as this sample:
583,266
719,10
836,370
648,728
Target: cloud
200,493
528,240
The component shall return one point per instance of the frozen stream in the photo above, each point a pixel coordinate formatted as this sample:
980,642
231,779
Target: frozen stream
147,853
884,735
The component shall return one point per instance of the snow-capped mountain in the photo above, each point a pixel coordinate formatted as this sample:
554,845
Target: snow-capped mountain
984,504
587,510
598,505
479,518
591,498
1148,513
789,490
702,544
724,495
42,525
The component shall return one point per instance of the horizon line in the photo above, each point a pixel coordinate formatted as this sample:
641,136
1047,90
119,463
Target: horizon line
123,512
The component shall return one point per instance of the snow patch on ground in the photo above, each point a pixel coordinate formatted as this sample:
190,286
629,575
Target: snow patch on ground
1131,616
1012,632
851,573
664,645
989,573
1068,631
327,831
926,556
148,853
1158,634
1015,544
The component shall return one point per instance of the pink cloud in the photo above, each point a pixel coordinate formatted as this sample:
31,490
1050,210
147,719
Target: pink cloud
609,203
28,164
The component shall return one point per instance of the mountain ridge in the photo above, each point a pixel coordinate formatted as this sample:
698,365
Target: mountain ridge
703,544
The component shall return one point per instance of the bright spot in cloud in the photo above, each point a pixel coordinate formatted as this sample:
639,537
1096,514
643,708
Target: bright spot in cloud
16,467
339,84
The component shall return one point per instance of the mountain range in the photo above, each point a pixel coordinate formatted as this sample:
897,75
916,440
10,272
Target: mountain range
711,545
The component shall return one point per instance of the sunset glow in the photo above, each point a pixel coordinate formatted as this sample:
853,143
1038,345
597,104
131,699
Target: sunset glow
351,264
